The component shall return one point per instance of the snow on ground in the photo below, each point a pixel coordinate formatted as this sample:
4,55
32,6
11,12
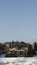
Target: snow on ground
2,55
19,61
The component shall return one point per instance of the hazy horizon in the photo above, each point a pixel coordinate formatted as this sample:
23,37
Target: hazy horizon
18,20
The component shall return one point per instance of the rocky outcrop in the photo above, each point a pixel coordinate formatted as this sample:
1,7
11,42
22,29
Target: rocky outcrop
22,49
18,49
